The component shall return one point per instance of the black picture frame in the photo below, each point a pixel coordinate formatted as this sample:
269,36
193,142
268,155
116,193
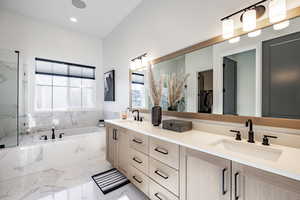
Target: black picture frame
109,86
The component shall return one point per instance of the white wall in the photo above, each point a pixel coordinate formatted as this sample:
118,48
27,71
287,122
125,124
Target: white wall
39,39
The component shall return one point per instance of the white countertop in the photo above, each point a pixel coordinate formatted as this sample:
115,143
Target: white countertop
286,164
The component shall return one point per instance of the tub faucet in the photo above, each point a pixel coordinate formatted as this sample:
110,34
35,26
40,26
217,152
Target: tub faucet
138,115
249,124
53,133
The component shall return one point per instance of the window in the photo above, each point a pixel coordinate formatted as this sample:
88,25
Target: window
64,86
138,90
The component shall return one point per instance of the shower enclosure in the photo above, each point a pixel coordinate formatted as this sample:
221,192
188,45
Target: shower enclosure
9,104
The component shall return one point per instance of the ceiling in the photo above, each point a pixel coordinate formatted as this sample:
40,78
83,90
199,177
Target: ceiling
99,18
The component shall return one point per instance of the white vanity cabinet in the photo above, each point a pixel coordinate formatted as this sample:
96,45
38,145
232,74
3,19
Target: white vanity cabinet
167,171
204,176
118,148
249,183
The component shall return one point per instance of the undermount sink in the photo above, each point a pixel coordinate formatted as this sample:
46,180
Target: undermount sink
247,149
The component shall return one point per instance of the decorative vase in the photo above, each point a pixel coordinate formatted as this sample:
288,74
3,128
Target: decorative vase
156,115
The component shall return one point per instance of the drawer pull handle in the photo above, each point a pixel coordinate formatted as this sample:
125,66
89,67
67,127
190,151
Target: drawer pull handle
137,180
136,160
137,141
224,191
161,174
162,151
236,196
157,196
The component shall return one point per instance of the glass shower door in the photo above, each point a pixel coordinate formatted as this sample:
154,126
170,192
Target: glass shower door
9,70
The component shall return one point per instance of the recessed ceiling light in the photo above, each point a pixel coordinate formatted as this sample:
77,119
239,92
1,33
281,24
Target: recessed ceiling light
73,19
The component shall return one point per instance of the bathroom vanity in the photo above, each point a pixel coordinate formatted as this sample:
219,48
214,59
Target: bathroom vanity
195,165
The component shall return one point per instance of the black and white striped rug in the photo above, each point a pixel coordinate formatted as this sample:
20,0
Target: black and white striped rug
110,180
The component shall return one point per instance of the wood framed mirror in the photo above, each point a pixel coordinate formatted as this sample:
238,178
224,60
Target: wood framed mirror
257,78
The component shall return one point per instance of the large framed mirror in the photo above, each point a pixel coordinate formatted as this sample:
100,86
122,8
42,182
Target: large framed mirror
257,77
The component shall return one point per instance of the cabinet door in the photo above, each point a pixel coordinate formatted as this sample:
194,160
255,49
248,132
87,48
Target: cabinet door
122,139
249,183
110,144
204,177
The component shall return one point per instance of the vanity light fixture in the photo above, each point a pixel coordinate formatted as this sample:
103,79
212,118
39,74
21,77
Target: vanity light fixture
254,33
228,28
277,10
249,20
281,25
234,40
139,62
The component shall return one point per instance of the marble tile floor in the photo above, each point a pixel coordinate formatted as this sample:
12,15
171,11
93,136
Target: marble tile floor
69,183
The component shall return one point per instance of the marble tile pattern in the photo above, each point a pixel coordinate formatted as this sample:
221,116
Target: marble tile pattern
59,170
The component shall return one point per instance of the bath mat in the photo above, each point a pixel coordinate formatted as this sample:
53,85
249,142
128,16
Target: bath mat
110,180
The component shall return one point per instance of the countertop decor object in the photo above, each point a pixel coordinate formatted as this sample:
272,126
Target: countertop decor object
176,85
177,125
155,96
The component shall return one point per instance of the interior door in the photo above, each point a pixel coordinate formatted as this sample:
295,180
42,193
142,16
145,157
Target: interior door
281,77
229,86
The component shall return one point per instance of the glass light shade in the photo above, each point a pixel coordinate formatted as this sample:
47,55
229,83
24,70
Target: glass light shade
234,40
138,63
254,33
249,20
144,61
132,65
281,25
277,10
228,28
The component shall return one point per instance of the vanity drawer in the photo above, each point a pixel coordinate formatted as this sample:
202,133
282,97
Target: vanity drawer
157,192
139,142
165,152
164,175
139,160
140,180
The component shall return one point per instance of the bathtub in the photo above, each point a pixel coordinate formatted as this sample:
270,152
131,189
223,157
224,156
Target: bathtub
78,146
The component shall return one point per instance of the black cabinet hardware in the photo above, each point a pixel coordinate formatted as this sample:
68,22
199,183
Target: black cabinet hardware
137,180
137,141
224,191
136,160
161,175
162,151
157,196
236,196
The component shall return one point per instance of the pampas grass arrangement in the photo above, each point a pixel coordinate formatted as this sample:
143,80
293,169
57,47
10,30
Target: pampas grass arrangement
155,88
175,88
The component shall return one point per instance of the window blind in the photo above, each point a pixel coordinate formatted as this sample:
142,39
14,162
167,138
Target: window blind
58,68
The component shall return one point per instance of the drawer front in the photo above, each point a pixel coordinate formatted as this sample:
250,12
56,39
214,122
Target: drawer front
139,142
157,192
139,160
165,152
164,175
140,180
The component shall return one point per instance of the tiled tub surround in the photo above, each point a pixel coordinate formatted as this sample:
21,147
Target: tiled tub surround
59,170
44,155
200,140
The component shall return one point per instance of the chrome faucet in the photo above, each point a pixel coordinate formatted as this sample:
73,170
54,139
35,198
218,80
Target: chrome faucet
249,124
